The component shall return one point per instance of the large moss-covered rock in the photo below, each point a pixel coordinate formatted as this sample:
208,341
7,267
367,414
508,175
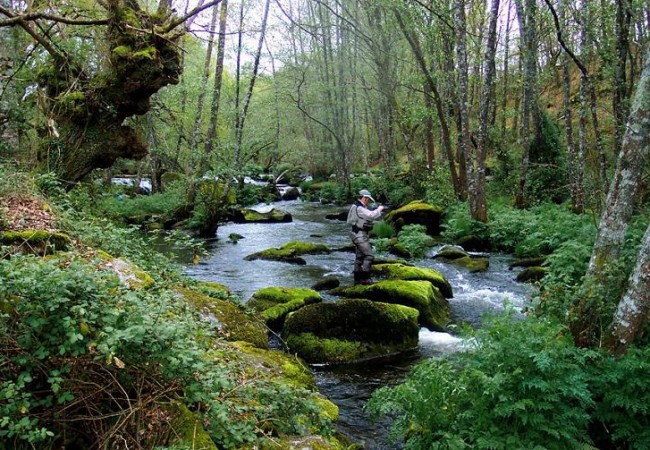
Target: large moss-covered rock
290,252
274,303
128,273
269,215
404,272
419,213
421,295
350,330
37,242
229,320
186,429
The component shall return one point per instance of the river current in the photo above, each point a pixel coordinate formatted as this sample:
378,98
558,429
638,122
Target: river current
349,387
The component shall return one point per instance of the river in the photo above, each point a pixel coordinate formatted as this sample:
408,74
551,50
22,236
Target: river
350,387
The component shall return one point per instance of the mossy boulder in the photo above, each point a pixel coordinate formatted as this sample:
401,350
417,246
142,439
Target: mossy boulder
186,429
229,320
421,295
531,274
213,289
416,212
459,257
405,272
37,242
292,193
326,284
128,273
474,243
350,330
274,303
290,252
268,215
451,252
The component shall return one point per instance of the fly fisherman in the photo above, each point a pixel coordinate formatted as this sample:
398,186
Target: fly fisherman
361,218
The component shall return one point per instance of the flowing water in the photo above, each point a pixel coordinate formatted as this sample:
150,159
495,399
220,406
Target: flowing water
349,387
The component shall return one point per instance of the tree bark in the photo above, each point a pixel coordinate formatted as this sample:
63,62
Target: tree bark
631,317
620,201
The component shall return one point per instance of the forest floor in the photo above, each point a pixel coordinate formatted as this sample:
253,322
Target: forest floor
22,212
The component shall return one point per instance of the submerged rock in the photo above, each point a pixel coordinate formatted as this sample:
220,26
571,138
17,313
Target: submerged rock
421,295
274,303
416,212
326,284
399,271
531,274
351,330
290,252
459,257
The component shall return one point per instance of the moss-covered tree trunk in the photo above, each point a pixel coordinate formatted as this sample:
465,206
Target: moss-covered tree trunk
86,107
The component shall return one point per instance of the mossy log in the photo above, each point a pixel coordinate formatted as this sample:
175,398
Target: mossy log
351,330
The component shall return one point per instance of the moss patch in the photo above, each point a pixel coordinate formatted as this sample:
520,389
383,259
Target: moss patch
274,303
404,272
421,295
38,242
228,319
128,273
451,253
350,330
186,430
290,252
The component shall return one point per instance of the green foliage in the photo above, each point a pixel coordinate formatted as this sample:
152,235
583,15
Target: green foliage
546,179
624,406
522,386
70,322
415,239
438,189
383,229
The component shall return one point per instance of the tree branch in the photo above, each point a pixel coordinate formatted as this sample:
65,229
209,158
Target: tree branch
173,24
30,17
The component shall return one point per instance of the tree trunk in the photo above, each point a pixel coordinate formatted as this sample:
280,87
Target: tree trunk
460,27
218,82
631,317
478,204
620,201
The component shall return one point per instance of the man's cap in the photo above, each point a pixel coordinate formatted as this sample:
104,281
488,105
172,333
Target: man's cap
366,193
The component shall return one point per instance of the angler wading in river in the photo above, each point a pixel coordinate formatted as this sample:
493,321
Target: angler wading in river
361,218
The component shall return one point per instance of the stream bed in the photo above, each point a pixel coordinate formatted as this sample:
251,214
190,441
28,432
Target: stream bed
350,386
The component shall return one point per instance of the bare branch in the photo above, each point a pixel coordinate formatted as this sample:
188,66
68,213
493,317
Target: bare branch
189,15
30,17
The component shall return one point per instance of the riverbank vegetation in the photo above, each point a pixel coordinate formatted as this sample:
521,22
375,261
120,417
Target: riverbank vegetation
523,122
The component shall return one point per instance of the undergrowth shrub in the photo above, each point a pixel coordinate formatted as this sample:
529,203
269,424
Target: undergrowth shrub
79,351
383,229
522,385
415,239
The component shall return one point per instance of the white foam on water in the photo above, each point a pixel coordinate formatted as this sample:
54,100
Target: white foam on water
439,341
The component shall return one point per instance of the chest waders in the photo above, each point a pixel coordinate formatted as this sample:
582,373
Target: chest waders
361,240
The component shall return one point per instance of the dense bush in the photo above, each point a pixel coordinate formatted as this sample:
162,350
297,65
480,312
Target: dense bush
522,385
78,347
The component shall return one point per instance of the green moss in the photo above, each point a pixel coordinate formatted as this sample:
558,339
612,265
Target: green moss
274,303
350,330
472,264
416,205
290,252
417,212
230,321
149,53
451,253
127,272
404,272
35,241
122,51
187,429
213,289
276,364
421,295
